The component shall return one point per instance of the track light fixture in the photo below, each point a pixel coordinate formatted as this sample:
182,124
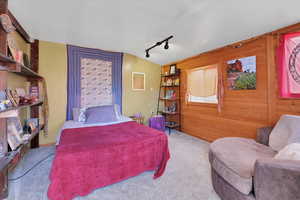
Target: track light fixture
158,44
167,45
147,54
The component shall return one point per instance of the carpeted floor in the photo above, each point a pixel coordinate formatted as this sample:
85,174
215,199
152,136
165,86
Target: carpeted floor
187,177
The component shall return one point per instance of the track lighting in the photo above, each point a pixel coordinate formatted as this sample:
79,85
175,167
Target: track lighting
167,45
158,44
147,54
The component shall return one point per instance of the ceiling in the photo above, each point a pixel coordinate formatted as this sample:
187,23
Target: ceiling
131,26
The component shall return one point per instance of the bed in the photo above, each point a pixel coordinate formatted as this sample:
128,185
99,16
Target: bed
92,156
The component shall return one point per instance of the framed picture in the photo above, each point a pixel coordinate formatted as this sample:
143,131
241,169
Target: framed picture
173,69
14,132
241,73
138,81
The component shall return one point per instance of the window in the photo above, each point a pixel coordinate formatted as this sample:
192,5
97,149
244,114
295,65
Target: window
202,84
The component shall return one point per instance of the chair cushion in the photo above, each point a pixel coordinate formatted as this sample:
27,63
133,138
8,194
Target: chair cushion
234,160
285,132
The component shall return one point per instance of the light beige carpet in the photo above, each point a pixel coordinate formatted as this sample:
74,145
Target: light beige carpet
187,177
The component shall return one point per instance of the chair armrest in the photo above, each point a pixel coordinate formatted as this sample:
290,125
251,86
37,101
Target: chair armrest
277,179
263,134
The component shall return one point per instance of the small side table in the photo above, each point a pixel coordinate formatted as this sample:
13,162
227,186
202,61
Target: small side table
139,120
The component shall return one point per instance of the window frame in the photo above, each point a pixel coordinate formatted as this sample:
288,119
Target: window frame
193,103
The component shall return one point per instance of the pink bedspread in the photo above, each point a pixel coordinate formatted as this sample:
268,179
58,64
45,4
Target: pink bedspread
93,157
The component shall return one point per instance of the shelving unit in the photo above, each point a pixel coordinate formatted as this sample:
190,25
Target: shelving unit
172,118
9,65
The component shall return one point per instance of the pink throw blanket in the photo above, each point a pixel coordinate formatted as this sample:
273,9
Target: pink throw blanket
93,157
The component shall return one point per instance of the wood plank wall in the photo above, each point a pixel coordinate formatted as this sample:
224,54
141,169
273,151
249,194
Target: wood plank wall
243,111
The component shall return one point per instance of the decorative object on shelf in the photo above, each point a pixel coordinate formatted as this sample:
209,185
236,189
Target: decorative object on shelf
14,132
176,82
241,73
173,107
11,98
158,44
26,60
138,81
169,82
4,103
173,69
19,57
6,23
15,96
31,125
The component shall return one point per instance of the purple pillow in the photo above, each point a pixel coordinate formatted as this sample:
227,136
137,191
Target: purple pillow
101,114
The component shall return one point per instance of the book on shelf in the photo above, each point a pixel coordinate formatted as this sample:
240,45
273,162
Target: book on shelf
170,94
14,132
34,91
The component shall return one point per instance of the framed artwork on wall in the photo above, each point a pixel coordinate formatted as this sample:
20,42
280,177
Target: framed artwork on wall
241,73
172,69
138,81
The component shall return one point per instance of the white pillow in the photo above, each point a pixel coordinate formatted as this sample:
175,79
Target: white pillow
287,126
290,152
79,114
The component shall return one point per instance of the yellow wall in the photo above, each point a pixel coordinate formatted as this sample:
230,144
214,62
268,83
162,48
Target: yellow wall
53,67
140,101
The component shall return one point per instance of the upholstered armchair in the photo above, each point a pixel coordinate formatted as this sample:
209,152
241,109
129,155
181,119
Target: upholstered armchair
245,169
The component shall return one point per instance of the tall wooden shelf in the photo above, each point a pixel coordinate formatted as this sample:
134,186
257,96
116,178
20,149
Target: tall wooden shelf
9,65
173,119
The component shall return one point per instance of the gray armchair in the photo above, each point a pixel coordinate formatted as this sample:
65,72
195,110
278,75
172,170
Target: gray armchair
243,169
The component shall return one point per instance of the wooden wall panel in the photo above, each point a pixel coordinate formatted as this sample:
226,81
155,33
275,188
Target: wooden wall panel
243,111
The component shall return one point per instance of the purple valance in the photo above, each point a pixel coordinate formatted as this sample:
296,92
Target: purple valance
75,56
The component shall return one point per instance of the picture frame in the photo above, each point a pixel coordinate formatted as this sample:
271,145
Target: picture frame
138,81
14,132
241,73
172,69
